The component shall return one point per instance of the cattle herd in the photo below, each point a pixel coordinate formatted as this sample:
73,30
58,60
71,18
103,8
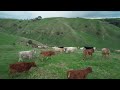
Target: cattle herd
21,66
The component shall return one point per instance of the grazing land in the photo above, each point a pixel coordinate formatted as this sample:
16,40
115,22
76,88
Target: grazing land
71,32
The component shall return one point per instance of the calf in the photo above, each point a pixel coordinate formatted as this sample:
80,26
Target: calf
26,54
88,52
47,53
57,49
105,52
70,49
21,67
78,74
117,51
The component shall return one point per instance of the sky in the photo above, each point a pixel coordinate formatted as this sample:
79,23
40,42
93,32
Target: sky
69,14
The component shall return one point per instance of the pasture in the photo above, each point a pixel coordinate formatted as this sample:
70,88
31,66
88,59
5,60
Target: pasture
57,66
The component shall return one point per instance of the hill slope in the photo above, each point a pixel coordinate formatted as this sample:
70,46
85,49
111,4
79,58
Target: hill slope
65,31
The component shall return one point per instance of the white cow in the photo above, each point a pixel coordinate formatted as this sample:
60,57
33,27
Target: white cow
81,48
70,49
57,49
94,48
26,54
43,47
117,50
105,52
40,47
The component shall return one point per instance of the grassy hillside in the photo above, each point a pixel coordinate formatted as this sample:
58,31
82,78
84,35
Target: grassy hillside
9,51
65,31
57,66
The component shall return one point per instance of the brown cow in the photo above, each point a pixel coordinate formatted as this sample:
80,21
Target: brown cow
21,66
87,52
78,74
105,52
47,53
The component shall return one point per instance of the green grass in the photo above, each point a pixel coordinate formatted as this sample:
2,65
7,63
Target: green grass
76,32
56,66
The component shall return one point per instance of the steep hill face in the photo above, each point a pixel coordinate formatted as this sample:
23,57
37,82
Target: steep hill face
65,31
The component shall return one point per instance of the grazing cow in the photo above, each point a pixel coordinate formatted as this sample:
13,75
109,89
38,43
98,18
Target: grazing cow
94,48
81,48
105,52
47,53
43,47
70,49
78,74
86,47
87,52
40,46
117,51
21,66
26,54
57,49
60,47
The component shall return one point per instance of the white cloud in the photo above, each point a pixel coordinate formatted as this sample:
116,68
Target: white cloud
44,14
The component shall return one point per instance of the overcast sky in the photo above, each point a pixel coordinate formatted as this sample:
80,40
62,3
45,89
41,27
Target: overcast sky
45,14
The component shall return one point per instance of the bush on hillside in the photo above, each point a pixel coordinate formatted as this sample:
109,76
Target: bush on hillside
20,27
14,25
30,41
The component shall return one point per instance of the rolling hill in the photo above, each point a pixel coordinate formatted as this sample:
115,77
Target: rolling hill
65,31
9,39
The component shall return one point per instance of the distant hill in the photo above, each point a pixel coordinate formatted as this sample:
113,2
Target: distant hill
65,31
114,21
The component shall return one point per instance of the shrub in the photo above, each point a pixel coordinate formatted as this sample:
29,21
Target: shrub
30,41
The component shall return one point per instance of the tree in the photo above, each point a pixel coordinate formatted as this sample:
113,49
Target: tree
30,41
39,17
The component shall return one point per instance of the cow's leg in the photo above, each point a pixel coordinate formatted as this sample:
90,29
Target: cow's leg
20,59
90,56
108,55
30,57
84,56
103,55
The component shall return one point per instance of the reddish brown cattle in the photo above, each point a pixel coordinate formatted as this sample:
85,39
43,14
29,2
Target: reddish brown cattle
88,52
21,66
47,53
78,74
105,52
